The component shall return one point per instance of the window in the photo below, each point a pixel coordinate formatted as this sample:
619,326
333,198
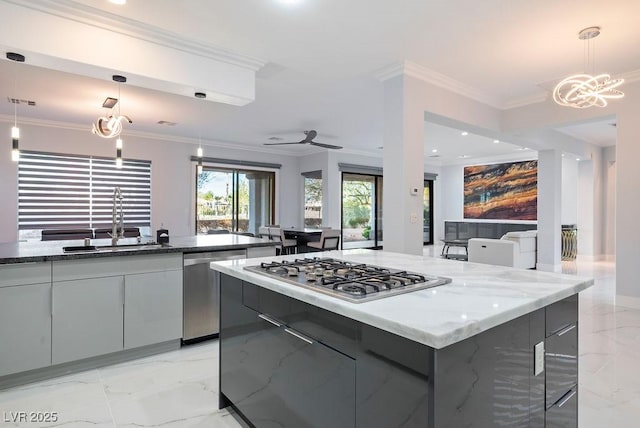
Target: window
237,200
59,191
312,199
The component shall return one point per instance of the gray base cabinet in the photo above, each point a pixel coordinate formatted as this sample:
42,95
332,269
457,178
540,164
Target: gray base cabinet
87,318
25,327
280,378
337,372
153,308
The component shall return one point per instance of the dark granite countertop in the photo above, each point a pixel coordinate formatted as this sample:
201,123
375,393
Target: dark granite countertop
39,251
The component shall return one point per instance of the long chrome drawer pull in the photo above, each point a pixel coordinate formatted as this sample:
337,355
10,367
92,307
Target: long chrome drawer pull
269,320
564,400
566,330
299,336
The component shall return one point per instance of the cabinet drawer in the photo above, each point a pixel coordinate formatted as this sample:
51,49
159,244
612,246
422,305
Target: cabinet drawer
25,273
564,413
561,314
561,363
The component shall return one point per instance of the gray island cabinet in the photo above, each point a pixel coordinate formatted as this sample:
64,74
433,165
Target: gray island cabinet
496,347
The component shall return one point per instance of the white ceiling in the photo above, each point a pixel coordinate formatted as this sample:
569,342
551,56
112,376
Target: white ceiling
322,56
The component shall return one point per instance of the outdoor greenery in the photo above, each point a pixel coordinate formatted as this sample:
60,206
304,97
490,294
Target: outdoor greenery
312,202
212,205
356,204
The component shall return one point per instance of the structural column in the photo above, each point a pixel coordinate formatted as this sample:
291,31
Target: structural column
627,205
549,210
403,165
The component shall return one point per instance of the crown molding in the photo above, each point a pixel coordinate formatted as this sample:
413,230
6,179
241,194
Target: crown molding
409,68
71,10
629,76
525,101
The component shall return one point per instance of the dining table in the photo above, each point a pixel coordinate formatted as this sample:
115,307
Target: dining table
303,235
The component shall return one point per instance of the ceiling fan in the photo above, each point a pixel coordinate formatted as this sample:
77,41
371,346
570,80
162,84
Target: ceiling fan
308,139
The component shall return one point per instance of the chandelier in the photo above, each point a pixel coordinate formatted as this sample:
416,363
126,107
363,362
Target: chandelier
586,90
110,126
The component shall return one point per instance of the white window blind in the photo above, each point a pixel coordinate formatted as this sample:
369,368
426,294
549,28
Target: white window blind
71,191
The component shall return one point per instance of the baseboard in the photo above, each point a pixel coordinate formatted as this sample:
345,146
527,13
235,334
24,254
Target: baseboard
50,372
628,301
594,257
549,267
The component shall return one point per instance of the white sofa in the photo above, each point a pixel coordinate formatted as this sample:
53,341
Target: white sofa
515,249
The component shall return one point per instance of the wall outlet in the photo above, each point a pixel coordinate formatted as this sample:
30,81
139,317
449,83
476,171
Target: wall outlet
413,218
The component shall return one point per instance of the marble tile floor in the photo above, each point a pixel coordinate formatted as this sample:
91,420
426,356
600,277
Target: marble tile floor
179,388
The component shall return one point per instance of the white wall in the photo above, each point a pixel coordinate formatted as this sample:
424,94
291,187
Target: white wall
569,208
451,190
172,191
451,199
609,171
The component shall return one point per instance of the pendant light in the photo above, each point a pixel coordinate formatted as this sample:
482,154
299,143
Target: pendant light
587,90
200,153
15,131
110,126
119,153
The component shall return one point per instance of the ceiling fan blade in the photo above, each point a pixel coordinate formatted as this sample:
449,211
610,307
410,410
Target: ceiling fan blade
279,144
326,146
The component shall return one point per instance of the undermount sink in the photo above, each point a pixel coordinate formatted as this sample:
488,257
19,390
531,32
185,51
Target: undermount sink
117,247
141,246
79,248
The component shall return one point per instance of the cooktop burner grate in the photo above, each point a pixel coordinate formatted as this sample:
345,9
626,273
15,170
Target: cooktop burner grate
355,282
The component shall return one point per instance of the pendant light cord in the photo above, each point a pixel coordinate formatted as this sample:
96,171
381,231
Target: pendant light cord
15,100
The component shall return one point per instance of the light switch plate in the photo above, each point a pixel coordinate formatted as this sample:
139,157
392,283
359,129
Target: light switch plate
538,359
414,218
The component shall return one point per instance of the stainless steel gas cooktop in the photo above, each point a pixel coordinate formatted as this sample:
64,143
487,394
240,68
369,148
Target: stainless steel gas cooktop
346,280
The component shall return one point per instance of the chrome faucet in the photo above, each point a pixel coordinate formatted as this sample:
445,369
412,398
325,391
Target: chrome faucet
115,225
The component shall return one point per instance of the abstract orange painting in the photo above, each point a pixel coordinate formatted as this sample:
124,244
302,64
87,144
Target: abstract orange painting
506,191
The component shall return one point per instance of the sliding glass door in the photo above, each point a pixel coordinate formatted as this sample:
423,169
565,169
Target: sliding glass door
361,211
234,200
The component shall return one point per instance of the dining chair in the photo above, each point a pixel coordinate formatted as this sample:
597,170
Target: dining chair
286,245
263,232
329,240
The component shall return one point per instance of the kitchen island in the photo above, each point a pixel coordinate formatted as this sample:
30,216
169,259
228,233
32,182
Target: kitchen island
67,311
496,346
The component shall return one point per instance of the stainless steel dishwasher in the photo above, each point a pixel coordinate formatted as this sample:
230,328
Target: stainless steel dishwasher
201,294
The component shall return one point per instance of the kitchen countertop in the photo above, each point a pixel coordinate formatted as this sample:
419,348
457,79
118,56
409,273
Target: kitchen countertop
38,251
478,298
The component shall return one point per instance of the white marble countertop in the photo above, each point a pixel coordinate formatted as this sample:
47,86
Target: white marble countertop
478,298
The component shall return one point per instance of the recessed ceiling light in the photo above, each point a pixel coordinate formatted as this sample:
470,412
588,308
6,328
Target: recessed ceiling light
464,133
119,2
463,156
496,141
434,151
578,159
563,155
289,2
